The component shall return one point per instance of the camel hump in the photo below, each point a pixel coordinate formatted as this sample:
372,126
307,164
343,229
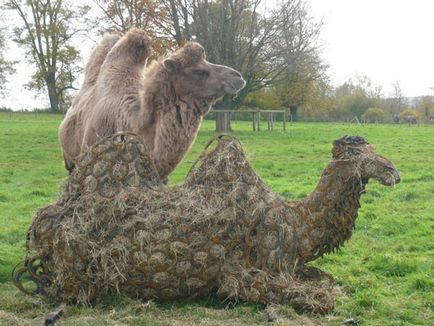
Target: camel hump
97,58
134,47
350,140
139,42
120,162
225,164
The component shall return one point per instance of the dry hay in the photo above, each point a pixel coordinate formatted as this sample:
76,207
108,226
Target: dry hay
117,228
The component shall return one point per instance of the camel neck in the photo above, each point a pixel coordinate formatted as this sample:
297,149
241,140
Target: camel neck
331,209
168,124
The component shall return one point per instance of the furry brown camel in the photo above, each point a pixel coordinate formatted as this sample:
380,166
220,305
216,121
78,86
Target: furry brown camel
165,107
223,231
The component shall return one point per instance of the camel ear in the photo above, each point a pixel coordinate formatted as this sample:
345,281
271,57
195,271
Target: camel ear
172,65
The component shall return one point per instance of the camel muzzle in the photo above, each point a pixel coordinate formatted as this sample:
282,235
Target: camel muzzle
392,177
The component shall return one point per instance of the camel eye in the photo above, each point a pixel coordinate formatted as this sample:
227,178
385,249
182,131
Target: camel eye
201,73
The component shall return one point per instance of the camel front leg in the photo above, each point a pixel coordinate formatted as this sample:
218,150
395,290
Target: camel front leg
299,290
244,284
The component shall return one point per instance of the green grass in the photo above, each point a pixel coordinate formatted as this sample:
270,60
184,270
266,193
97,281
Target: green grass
385,273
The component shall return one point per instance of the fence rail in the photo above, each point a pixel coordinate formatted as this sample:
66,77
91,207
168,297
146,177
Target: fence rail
256,117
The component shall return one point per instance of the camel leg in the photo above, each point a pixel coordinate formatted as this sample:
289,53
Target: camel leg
258,286
244,284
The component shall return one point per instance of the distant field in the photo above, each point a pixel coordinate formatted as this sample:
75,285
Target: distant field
385,272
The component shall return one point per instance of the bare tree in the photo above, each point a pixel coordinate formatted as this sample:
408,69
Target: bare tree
397,99
264,48
267,50
161,20
46,31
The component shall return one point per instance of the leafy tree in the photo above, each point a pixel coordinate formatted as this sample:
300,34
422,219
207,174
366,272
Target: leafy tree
320,104
46,32
425,107
265,98
301,81
353,98
6,67
409,116
373,115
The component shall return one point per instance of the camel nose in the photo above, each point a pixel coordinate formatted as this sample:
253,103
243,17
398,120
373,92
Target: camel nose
239,83
394,172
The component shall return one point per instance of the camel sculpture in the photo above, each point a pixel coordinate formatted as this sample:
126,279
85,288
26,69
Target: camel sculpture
164,108
117,228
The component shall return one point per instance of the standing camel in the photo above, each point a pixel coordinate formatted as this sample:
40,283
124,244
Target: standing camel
164,106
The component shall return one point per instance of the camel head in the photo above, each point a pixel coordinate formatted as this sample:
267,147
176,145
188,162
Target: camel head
364,160
193,76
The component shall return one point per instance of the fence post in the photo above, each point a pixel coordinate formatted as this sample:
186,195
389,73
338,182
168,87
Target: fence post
259,120
268,121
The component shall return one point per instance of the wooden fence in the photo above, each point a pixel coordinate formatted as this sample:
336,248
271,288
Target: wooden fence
256,117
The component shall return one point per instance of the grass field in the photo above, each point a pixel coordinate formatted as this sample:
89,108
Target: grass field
385,273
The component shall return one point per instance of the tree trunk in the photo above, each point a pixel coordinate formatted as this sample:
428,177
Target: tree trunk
175,19
52,93
223,119
293,111
223,122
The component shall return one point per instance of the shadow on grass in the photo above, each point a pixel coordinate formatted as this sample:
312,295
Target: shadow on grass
211,302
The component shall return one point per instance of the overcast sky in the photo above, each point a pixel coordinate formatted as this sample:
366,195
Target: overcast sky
387,40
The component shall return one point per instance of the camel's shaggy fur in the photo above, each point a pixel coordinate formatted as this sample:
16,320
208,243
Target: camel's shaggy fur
165,107
109,94
116,228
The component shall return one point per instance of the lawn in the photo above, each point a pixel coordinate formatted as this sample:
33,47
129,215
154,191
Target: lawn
385,273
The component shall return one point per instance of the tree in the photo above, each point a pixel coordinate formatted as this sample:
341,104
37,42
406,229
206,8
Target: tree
372,115
154,16
6,66
265,48
46,33
425,107
354,97
265,98
233,32
301,81
398,100
409,116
